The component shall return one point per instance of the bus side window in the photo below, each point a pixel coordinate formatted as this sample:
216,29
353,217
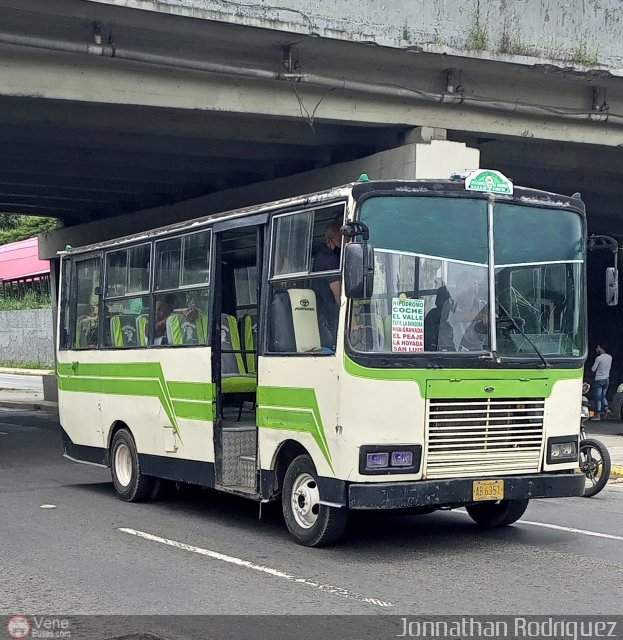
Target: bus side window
87,273
65,340
305,279
127,274
181,283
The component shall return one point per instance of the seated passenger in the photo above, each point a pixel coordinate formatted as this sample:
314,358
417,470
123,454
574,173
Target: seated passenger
89,327
438,334
164,308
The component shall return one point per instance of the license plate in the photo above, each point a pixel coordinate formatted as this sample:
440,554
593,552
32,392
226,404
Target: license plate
487,490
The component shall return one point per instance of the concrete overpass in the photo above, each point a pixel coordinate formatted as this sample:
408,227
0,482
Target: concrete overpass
120,115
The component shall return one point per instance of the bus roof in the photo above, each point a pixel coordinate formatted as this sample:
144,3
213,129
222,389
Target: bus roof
521,195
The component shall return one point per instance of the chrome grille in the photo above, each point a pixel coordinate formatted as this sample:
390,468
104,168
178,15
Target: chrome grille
483,437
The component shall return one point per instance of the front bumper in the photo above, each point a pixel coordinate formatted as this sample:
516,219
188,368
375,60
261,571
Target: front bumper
444,493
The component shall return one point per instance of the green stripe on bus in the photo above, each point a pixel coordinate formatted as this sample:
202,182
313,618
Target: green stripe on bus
192,390
111,369
292,409
194,410
144,379
514,382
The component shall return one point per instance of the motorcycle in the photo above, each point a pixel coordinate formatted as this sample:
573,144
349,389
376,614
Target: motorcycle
594,457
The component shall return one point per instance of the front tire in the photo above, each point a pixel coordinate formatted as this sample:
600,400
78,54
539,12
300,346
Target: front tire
595,464
311,524
130,484
497,514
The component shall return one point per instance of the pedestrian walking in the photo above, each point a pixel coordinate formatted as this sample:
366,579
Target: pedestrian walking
601,368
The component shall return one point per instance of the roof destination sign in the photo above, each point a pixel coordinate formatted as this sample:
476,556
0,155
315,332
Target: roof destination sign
488,181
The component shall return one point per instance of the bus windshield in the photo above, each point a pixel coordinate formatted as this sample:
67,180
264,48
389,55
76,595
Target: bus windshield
431,281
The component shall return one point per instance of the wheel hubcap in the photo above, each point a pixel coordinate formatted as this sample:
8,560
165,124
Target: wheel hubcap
305,501
123,464
592,467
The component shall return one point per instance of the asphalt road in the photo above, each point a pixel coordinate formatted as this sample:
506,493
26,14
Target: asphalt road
94,554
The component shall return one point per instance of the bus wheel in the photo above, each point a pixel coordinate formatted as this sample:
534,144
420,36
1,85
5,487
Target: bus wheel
497,514
129,482
311,524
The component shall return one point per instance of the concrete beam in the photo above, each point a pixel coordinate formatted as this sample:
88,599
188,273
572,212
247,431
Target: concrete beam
571,35
82,78
434,160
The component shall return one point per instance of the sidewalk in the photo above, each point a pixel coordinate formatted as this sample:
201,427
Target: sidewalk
26,401
25,372
22,389
610,432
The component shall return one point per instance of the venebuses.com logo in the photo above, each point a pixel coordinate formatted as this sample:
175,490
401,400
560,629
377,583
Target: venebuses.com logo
18,627
21,627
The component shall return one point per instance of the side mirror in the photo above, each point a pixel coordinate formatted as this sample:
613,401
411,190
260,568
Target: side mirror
358,270
612,287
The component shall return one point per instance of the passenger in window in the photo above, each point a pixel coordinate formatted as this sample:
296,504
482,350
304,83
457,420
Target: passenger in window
468,316
438,334
328,290
87,329
164,308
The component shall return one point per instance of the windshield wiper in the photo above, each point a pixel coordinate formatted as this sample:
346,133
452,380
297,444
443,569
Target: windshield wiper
546,364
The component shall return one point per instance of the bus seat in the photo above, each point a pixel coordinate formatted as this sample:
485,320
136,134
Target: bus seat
547,314
123,331
248,332
372,333
84,327
141,329
304,315
294,322
234,377
182,331
281,328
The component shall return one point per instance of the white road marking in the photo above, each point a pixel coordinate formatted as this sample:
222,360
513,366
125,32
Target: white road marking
558,527
338,591
584,532
3,433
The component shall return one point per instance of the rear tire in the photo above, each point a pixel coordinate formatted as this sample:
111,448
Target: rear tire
129,482
497,514
163,490
596,468
311,524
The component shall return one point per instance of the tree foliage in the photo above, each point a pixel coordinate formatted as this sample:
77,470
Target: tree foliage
15,227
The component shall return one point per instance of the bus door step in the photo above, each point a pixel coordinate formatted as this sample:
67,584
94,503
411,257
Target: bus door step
239,463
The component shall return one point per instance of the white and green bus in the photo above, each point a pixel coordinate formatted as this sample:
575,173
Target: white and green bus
434,361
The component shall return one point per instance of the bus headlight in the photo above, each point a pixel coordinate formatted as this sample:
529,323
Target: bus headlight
376,459
402,459
562,449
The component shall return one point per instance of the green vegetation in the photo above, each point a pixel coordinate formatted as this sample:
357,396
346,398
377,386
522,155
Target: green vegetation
30,300
583,55
6,364
477,36
406,31
14,227
513,44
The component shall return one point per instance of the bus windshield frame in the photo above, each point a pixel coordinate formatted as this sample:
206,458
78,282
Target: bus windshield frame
471,280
